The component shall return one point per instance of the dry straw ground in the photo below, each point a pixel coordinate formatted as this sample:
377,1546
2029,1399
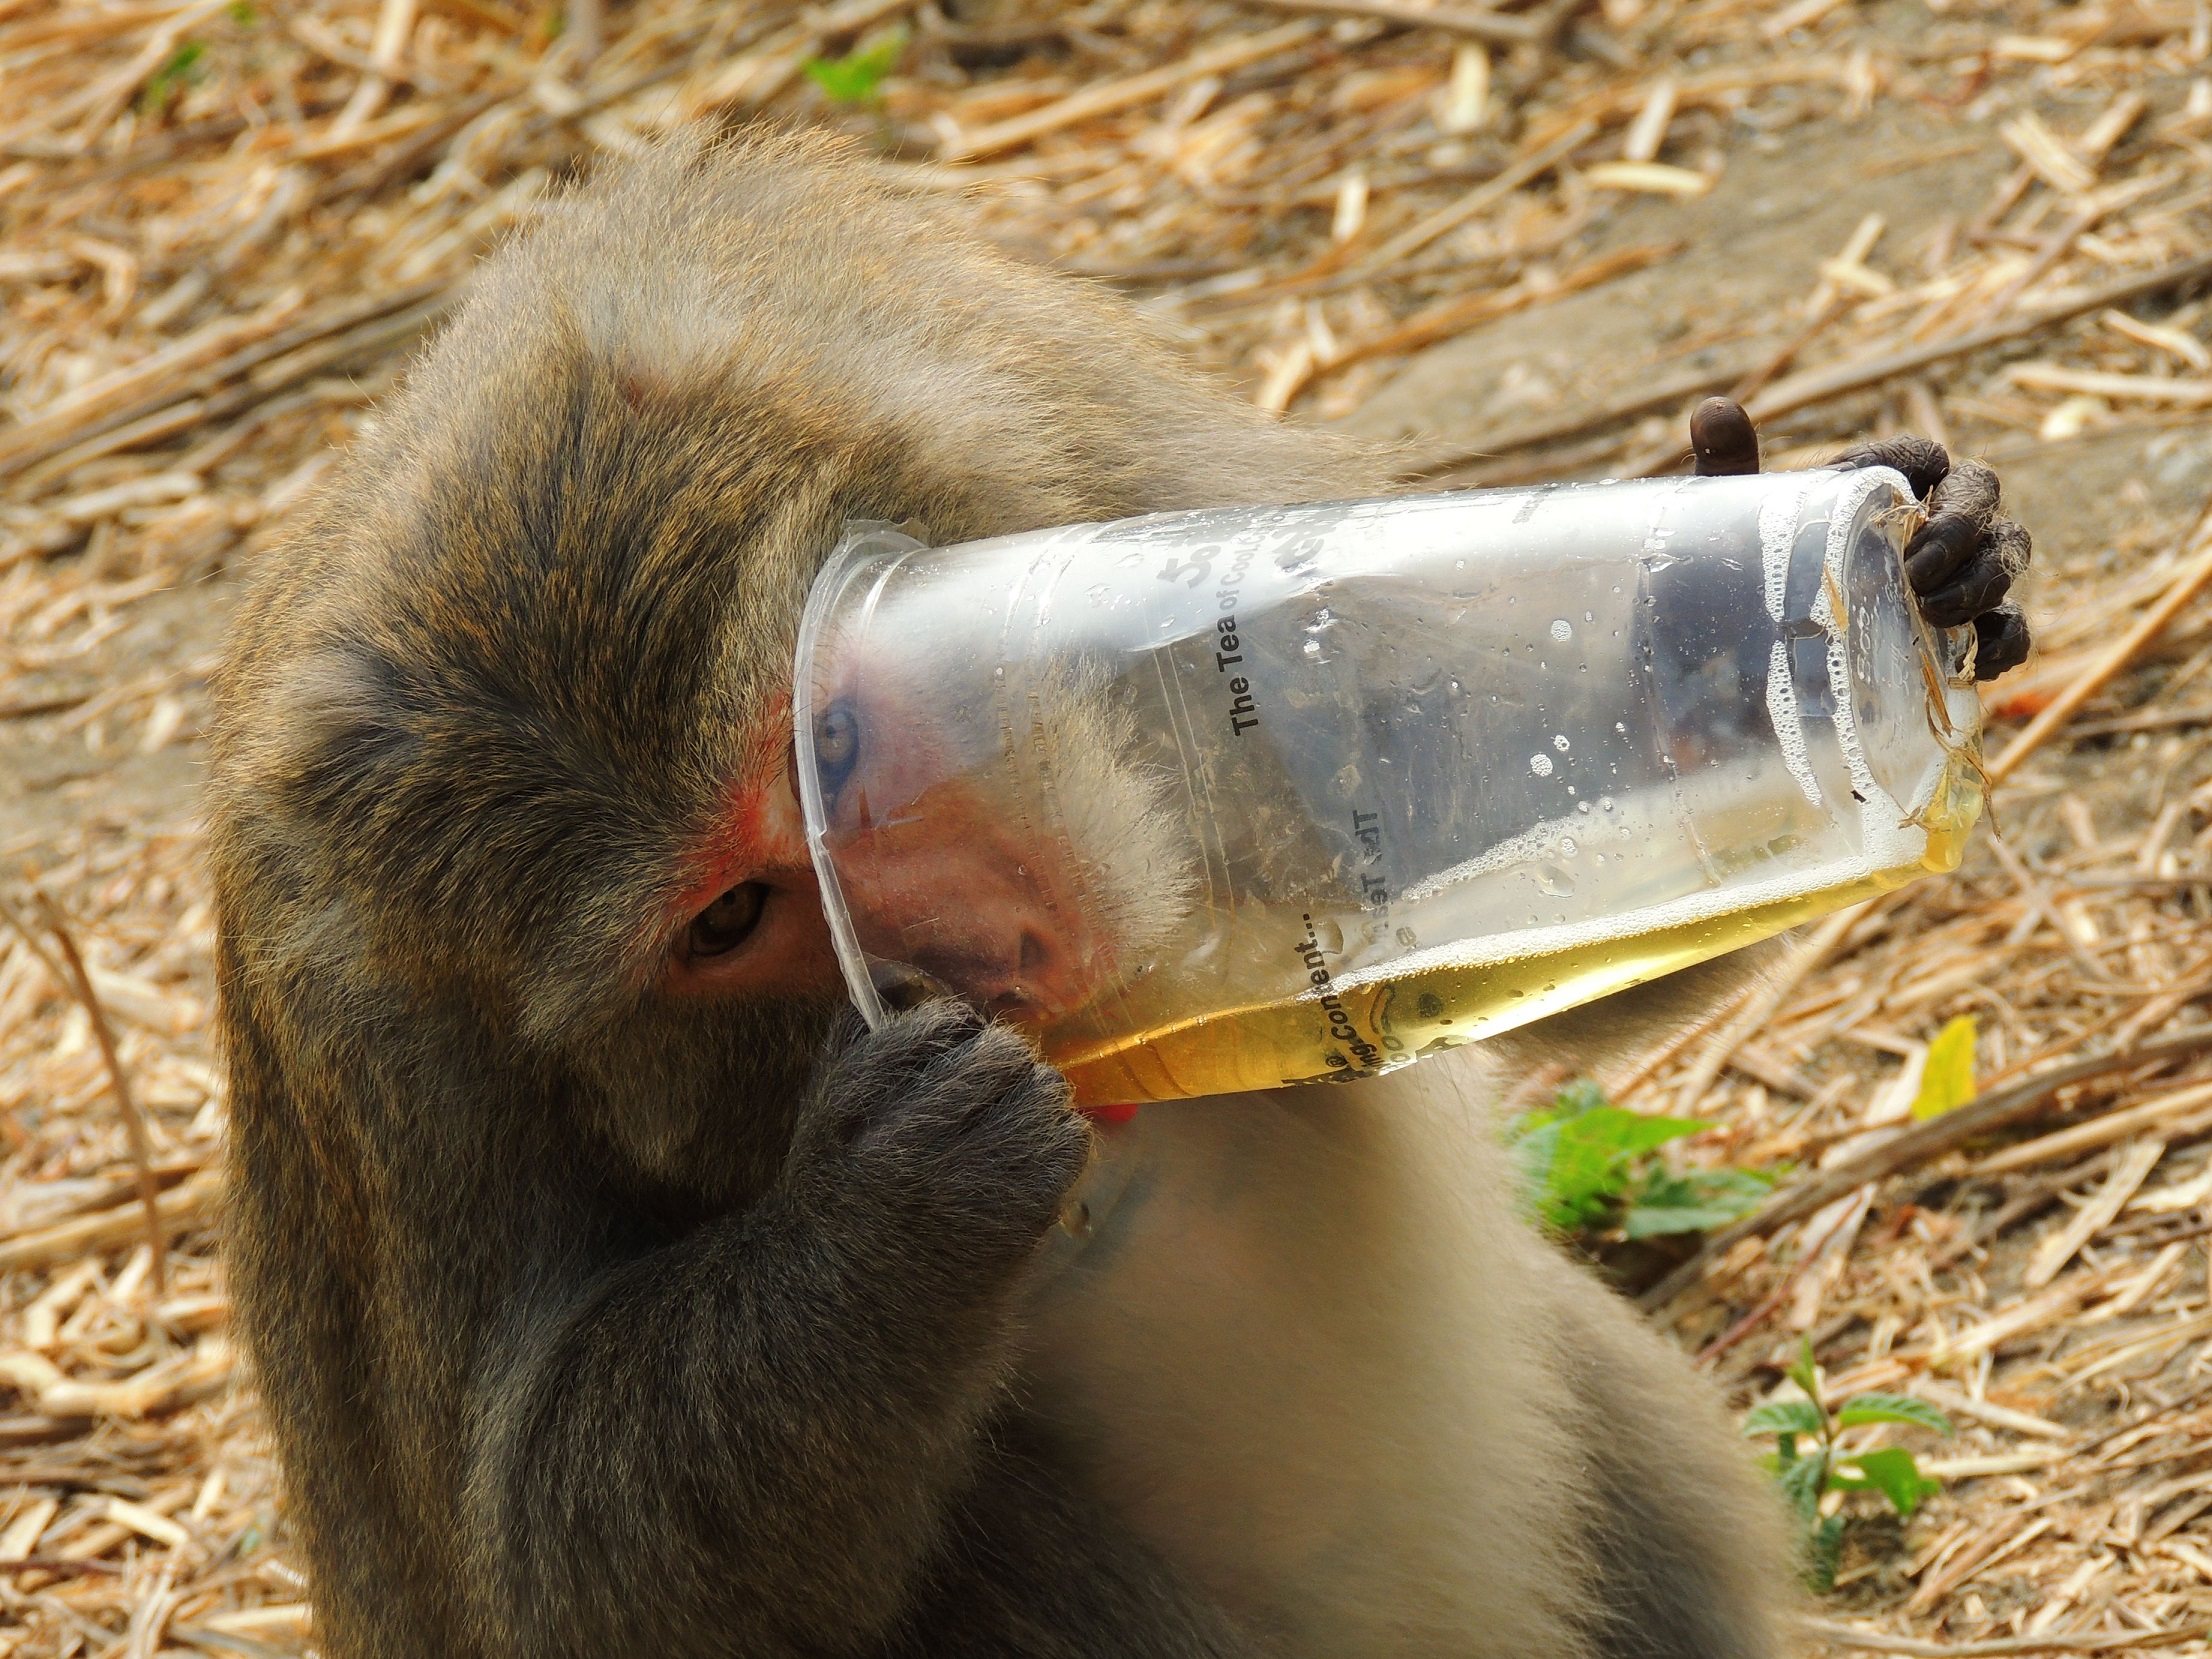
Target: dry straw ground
1520,240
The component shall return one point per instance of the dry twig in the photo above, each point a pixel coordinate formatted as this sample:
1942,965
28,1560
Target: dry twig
78,983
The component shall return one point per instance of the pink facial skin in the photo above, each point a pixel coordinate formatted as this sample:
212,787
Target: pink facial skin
997,916
761,841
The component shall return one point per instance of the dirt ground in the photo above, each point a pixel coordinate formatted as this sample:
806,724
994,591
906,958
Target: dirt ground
2077,1504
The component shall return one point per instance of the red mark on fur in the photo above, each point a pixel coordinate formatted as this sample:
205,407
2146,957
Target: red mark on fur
732,853
1110,1117
757,829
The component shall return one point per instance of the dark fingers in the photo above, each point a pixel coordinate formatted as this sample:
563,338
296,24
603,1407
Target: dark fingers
1962,511
1924,462
1982,581
2000,641
1970,489
1980,587
1962,562
1723,439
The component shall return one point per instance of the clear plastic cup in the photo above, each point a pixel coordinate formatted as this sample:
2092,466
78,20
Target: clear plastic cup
1232,799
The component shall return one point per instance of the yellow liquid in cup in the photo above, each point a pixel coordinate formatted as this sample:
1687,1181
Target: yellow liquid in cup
1439,1006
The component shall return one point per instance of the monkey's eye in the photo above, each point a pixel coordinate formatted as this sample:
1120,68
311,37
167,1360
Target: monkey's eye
726,923
836,747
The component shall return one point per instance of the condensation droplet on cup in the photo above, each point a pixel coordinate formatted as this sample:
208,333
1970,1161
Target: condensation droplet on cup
1540,765
1567,847
1097,593
1553,882
1560,742
1562,630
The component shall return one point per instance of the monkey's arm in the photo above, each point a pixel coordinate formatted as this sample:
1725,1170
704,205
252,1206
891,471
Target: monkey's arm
747,1441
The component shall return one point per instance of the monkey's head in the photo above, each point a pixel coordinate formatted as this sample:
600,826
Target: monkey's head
503,731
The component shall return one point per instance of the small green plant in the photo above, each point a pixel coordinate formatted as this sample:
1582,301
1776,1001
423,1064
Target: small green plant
241,12
857,77
1588,1166
179,70
1807,1476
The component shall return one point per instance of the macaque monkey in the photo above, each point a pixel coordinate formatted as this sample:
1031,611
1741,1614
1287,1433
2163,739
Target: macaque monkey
611,1291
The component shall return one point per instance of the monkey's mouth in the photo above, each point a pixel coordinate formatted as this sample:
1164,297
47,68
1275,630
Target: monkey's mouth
1040,980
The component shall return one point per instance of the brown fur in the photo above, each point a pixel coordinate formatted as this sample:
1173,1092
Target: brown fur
590,1322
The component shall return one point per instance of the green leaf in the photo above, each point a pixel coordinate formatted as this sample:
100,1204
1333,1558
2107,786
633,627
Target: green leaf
1892,1471
1650,1221
1695,1201
1823,1549
1584,1094
177,70
857,77
1947,1079
1577,1158
1891,1408
1804,1372
1586,1164
1802,1484
1783,1417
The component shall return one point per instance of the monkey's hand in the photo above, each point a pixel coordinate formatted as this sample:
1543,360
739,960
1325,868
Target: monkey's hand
946,1118
770,1417
1961,563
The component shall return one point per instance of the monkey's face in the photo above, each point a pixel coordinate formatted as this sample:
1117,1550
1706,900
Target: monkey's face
509,713
529,729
